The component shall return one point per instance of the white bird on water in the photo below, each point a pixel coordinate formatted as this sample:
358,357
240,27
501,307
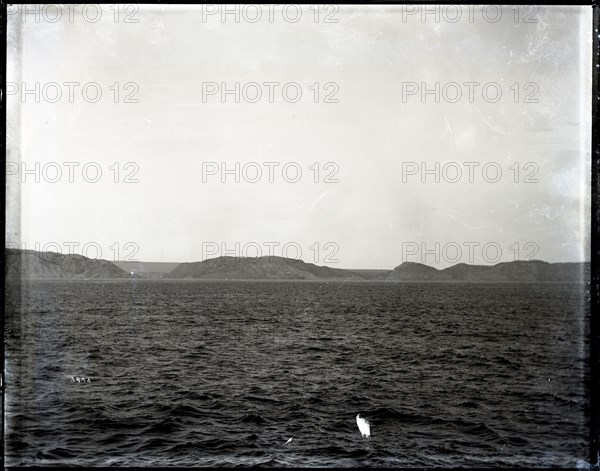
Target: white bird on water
289,440
363,426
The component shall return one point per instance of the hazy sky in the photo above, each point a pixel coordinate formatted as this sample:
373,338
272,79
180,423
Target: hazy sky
376,212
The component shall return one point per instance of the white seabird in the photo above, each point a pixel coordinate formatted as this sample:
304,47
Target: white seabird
289,440
363,426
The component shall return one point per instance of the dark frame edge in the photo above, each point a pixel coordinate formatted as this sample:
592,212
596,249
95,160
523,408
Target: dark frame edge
594,366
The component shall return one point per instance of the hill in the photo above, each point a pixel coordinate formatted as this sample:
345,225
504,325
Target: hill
531,270
410,271
260,268
30,264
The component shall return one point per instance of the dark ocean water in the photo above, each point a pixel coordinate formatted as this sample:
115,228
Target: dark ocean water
216,373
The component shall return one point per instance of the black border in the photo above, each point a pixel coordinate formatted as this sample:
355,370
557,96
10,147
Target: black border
3,26
594,326
594,366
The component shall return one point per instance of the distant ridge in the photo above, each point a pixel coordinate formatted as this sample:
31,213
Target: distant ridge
519,270
31,264
259,268
279,268
411,271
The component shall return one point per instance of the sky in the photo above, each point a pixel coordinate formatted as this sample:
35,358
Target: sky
363,144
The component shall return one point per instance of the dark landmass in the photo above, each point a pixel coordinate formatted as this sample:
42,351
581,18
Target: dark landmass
31,264
261,268
531,270
410,271
278,268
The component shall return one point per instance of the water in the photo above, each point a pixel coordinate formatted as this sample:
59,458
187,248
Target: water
216,373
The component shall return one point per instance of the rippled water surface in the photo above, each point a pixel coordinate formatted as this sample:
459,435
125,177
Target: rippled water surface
216,373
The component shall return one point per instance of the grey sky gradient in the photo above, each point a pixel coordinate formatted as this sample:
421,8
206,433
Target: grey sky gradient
371,212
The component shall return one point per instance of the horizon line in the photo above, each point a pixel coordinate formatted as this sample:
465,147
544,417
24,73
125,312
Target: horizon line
300,260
